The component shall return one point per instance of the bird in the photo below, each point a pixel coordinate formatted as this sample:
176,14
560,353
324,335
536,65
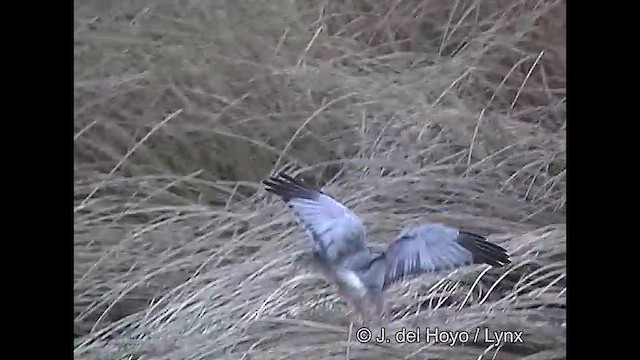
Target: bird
339,247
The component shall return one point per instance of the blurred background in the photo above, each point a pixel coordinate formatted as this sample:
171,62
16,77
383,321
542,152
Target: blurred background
408,111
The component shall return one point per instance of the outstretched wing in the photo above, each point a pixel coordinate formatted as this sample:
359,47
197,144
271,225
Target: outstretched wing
335,230
434,247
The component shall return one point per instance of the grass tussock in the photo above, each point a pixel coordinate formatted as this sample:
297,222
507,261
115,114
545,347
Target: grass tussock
409,111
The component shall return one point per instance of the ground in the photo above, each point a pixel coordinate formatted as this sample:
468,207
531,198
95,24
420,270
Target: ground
408,111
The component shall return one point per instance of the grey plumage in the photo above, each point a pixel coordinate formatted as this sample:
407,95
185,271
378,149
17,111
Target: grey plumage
338,241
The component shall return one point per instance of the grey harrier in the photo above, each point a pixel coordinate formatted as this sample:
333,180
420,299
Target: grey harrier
339,247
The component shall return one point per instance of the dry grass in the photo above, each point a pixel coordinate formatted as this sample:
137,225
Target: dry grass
411,111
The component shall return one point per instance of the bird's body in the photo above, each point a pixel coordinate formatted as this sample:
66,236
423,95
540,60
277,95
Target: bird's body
338,242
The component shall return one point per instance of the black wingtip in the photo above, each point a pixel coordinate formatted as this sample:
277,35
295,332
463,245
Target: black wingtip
483,251
288,187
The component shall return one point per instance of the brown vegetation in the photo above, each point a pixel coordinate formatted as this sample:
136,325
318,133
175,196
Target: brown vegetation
410,111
